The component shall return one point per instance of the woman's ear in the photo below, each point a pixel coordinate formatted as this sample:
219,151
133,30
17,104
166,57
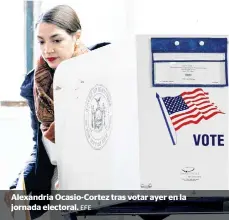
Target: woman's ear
78,34
77,37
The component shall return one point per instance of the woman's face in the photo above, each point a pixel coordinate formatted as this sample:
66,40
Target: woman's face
56,44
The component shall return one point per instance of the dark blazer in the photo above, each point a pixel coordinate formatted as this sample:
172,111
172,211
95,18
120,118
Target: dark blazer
38,170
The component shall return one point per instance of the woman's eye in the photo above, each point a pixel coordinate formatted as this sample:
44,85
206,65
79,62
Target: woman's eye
57,41
41,42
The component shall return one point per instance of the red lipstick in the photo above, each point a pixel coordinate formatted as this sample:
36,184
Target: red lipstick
51,59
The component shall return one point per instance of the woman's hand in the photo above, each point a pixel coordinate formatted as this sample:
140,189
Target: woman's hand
50,133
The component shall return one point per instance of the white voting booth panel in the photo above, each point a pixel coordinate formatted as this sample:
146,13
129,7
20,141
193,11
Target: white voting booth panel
97,120
111,132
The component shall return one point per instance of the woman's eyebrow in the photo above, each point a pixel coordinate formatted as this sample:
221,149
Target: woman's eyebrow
53,36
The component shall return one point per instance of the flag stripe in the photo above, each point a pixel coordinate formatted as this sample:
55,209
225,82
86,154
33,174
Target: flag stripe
190,108
194,97
190,104
197,100
200,102
196,121
194,115
201,107
184,117
192,92
193,110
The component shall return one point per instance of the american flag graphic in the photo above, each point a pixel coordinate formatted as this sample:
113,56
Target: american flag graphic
190,108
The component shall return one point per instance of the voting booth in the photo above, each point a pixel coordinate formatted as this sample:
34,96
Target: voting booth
144,113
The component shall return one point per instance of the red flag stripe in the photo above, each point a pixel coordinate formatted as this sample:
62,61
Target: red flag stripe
189,104
197,121
201,108
197,100
191,92
194,91
195,96
194,115
192,110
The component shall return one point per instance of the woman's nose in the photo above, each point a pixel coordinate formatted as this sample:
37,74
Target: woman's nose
48,48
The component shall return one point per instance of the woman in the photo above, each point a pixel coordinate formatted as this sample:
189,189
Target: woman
58,33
